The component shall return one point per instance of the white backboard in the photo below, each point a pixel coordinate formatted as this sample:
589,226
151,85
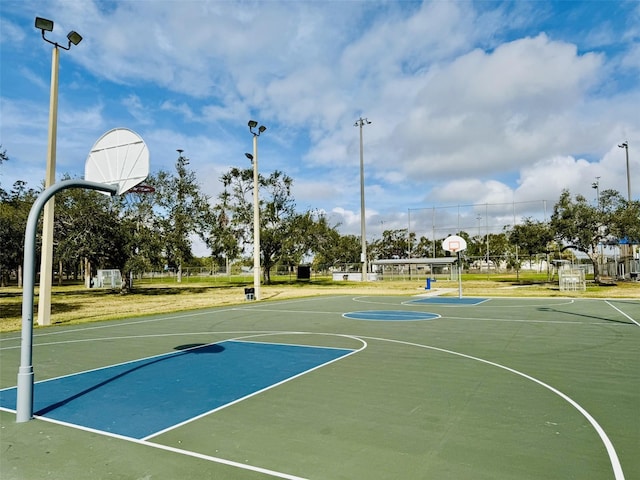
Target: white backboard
119,157
454,244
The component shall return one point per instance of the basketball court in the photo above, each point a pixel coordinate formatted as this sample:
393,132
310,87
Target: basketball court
372,387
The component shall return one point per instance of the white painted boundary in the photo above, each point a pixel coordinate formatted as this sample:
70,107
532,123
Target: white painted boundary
621,312
243,338
613,456
615,463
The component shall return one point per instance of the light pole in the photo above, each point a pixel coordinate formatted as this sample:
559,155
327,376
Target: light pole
363,236
596,186
46,262
256,207
625,145
627,250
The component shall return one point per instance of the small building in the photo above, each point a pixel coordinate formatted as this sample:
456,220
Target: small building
437,267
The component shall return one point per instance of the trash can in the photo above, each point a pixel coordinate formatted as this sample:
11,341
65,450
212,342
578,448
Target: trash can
304,272
249,293
429,280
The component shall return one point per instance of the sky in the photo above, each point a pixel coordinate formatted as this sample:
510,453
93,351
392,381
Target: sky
481,112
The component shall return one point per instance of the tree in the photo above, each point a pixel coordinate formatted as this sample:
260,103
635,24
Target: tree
576,223
182,211
500,247
3,155
87,230
625,216
335,249
531,237
286,236
476,244
143,244
426,248
14,211
393,244
223,239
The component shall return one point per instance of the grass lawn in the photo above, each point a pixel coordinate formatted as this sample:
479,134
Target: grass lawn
72,304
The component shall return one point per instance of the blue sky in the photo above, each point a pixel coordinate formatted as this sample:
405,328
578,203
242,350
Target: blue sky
471,103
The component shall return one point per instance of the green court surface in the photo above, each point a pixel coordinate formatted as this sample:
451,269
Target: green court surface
495,389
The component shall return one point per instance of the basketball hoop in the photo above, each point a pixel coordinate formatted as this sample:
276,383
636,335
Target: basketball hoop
120,157
454,244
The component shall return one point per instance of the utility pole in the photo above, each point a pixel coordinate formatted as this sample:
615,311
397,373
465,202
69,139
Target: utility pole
363,234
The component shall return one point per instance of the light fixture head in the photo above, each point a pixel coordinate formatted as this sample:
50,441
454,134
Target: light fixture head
44,24
624,145
74,37
262,128
252,124
249,156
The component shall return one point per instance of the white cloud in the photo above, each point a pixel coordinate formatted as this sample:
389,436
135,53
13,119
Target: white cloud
470,103
487,112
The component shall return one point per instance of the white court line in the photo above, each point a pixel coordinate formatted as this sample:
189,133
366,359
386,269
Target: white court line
157,317
510,320
363,299
246,335
223,461
621,312
210,458
613,456
617,469
116,323
128,337
257,392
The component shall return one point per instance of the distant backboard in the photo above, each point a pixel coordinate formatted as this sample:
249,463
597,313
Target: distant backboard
120,157
454,244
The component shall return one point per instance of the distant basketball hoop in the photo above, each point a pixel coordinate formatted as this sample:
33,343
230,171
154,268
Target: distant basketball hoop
454,244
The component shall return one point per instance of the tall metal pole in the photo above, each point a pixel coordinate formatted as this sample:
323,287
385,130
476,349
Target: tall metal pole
627,250
256,207
433,230
408,233
486,214
596,185
46,261
625,145
363,235
256,222
46,266
517,259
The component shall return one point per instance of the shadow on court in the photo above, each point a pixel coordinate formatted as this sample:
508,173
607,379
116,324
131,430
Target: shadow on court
188,349
201,348
582,315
